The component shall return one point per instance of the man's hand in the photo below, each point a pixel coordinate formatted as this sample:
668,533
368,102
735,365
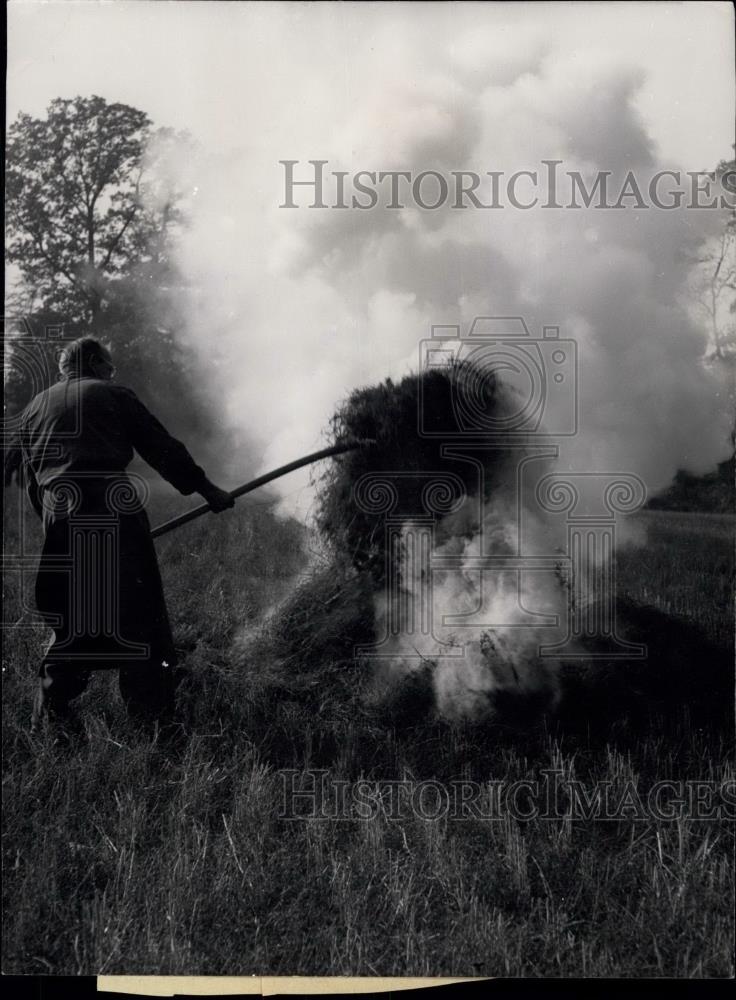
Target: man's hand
218,499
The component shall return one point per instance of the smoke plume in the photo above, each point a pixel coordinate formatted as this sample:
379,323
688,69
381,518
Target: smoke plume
292,309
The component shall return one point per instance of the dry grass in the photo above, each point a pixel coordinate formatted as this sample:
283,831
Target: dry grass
124,854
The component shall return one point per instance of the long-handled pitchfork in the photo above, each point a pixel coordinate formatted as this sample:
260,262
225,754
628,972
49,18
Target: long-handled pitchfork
337,449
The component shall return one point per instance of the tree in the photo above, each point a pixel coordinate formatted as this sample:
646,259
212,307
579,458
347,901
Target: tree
714,280
76,214
94,203
719,260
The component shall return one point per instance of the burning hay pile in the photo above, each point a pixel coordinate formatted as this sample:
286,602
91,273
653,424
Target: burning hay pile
370,503
359,625
406,420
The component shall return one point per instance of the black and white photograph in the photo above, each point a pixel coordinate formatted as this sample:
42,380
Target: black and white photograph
369,505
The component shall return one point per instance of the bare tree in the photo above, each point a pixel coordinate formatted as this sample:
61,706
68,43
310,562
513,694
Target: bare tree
715,286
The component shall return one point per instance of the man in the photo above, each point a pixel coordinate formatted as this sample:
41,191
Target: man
98,583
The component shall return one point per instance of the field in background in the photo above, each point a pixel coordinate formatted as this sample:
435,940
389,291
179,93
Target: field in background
686,568
124,854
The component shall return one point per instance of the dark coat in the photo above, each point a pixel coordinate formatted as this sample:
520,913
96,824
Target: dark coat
98,583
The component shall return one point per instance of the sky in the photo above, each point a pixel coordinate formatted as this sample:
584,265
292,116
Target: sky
295,308
266,73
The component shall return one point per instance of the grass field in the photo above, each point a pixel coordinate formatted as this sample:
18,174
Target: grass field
124,854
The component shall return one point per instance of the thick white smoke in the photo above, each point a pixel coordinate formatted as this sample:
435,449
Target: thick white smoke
293,308
469,660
